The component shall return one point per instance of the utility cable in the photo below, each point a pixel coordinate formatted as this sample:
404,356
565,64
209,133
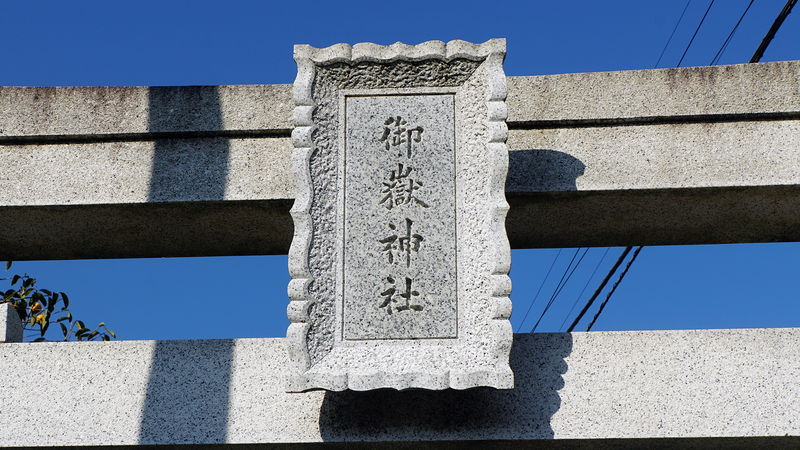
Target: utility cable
673,33
725,44
584,289
540,288
614,288
561,285
695,32
600,288
772,30
556,289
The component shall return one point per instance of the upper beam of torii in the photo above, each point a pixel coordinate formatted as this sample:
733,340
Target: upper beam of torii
649,157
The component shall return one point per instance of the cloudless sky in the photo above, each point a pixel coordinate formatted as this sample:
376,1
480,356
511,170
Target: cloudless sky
163,43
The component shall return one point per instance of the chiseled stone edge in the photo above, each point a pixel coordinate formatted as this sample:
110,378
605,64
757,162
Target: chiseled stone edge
498,156
493,52
397,51
300,299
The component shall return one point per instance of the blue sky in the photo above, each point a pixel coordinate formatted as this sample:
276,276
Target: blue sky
161,43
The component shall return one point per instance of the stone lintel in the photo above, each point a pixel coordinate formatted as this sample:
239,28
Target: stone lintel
595,159
630,389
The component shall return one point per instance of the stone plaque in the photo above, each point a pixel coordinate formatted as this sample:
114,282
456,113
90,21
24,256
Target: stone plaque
400,259
399,217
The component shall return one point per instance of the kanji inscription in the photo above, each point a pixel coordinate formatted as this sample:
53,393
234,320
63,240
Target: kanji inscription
400,259
399,279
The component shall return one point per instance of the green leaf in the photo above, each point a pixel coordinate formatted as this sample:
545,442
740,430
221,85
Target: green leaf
8,265
39,339
91,336
46,291
62,319
66,300
15,279
106,338
102,324
64,329
112,333
82,331
80,324
69,316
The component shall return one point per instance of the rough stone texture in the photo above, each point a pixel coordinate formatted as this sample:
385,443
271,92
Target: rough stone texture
400,218
749,89
36,112
340,336
651,129
166,170
10,324
688,155
211,228
649,389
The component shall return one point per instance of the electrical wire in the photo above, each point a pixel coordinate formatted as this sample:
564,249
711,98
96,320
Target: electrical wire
584,289
695,32
557,286
725,44
673,33
561,285
614,288
787,8
599,288
540,289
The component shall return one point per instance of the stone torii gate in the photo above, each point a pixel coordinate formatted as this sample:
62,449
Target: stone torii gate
653,157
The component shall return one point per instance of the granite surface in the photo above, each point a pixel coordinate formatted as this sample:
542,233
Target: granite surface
10,324
400,259
399,218
681,156
655,389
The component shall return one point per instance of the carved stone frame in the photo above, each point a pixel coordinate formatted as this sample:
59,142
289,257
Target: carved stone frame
478,356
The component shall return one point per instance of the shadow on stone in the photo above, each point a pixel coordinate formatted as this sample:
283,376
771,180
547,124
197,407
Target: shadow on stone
482,413
187,393
186,165
542,171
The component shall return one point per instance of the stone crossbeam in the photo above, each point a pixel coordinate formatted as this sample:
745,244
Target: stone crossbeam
652,157
655,389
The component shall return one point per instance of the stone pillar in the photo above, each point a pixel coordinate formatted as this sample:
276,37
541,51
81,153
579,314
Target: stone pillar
10,325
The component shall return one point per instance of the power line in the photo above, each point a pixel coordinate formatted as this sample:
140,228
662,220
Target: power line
695,32
561,285
584,289
600,288
725,44
614,288
772,30
540,288
673,33
550,302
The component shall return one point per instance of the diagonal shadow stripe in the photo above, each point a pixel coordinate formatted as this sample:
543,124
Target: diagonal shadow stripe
187,393
188,387
187,168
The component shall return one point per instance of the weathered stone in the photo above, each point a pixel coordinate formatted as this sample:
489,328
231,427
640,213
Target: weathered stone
400,259
693,389
596,159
